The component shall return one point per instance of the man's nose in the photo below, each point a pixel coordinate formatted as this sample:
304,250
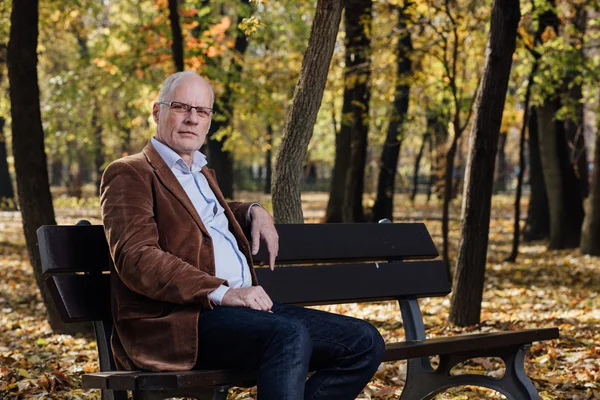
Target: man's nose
192,117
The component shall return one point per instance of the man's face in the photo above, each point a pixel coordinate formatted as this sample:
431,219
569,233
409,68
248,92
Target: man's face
184,133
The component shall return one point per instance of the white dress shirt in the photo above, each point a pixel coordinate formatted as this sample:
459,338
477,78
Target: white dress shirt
230,262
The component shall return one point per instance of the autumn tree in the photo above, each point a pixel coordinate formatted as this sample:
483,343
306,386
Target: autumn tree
302,114
347,181
448,22
388,164
35,200
6,188
177,41
562,184
467,288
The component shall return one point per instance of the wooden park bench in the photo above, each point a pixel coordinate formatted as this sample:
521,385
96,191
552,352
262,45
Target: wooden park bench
327,264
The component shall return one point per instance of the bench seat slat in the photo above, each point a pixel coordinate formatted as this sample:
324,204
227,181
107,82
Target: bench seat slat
70,248
394,351
87,297
466,343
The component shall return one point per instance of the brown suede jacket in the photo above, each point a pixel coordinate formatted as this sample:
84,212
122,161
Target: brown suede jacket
163,259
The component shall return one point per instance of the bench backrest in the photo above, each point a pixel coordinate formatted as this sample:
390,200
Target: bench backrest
323,264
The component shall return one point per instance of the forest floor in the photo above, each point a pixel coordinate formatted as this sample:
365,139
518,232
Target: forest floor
544,288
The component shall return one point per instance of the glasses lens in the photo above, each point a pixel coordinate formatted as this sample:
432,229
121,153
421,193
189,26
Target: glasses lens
181,108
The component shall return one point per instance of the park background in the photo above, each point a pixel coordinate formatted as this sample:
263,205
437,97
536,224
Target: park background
412,110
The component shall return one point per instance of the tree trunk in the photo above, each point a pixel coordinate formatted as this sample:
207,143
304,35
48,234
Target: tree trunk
7,195
388,164
35,200
56,175
302,115
417,168
517,227
357,23
98,148
467,290
501,168
537,225
590,238
574,125
222,160
341,164
562,186
432,170
269,160
177,43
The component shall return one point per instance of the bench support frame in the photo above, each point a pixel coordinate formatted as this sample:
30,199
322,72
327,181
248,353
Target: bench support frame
423,381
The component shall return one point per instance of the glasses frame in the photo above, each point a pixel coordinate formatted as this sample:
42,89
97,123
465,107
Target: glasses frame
199,109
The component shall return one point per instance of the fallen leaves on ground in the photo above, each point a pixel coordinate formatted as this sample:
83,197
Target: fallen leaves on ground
543,289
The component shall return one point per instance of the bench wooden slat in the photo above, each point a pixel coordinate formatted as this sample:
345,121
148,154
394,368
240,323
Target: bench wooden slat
300,243
83,248
87,297
355,282
81,298
72,248
480,343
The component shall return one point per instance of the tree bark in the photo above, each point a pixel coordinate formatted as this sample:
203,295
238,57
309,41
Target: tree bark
500,168
590,238
388,164
467,290
341,164
7,195
301,118
562,186
537,225
177,43
357,22
35,200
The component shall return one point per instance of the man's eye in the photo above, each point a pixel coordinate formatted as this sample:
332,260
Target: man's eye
203,113
179,107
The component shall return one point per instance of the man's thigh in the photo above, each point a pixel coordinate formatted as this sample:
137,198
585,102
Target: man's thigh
237,337
333,336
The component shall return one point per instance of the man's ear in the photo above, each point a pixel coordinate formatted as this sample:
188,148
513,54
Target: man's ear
155,111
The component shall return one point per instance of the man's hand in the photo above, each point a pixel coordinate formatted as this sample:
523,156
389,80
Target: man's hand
253,297
263,228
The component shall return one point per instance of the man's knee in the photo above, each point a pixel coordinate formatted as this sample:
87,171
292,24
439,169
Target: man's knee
371,342
293,337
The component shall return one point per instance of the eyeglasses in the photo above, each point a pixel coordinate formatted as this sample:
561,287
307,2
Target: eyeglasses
182,108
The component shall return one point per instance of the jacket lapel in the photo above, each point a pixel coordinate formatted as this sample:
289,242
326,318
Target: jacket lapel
166,177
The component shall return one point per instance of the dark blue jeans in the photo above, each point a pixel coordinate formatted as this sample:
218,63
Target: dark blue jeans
286,344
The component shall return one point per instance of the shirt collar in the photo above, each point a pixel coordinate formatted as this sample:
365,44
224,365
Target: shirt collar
174,160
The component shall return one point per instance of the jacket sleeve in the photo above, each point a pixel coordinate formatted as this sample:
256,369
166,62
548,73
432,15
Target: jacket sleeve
127,206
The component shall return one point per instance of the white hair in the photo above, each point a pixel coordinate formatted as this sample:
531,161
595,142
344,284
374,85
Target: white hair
171,82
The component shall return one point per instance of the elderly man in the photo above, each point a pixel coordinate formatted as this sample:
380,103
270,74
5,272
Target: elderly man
184,291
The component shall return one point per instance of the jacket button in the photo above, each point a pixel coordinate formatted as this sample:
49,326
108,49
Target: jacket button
206,240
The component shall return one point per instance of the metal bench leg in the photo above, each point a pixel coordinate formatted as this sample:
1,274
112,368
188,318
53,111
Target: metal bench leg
423,382
515,384
214,393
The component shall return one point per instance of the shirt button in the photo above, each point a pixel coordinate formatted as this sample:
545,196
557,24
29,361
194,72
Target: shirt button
206,240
